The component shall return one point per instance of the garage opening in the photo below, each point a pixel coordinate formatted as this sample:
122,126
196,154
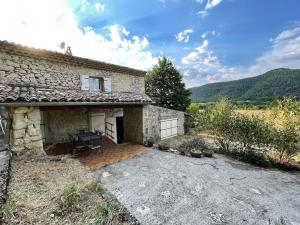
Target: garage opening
168,128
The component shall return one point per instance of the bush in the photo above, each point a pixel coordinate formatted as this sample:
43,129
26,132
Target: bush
250,131
286,138
95,187
163,146
195,143
69,199
239,134
6,211
217,120
108,213
253,157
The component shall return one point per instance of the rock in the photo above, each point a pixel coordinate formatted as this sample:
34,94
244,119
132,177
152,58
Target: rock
36,138
34,115
27,139
35,146
5,67
19,124
33,131
18,141
18,133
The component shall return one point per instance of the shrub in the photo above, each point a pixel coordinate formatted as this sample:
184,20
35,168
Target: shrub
250,131
286,138
163,146
195,143
108,213
6,211
217,120
95,187
253,157
285,142
69,199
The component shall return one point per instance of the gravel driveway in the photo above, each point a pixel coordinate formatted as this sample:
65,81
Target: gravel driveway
163,188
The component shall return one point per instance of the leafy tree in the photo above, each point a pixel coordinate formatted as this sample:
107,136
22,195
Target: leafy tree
164,85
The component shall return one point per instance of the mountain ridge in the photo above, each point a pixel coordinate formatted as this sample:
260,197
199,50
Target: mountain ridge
264,87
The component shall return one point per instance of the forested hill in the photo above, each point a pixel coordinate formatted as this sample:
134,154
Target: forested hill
265,87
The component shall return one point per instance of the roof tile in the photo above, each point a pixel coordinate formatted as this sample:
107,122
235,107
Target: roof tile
14,93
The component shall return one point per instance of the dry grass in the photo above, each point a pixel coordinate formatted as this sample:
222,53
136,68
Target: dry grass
36,185
266,115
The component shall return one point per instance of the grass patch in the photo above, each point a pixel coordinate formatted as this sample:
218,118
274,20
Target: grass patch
69,199
7,211
94,187
108,213
42,191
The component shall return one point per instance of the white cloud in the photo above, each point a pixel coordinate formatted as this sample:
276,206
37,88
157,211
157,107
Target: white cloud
202,66
203,13
209,5
197,55
212,3
184,35
45,24
99,7
204,35
284,52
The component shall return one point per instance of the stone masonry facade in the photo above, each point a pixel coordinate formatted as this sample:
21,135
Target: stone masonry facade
26,131
152,115
21,70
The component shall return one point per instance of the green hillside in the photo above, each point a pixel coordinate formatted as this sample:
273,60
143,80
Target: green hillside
279,82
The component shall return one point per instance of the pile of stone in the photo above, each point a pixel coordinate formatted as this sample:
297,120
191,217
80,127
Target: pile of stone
26,131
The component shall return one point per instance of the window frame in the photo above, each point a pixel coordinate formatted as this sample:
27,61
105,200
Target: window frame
100,81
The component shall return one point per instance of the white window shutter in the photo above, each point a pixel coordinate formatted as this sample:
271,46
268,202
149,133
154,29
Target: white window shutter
84,82
107,84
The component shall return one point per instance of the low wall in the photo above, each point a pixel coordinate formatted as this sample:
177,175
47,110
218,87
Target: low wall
151,120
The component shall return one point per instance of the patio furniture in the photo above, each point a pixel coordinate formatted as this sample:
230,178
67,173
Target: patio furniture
86,141
3,124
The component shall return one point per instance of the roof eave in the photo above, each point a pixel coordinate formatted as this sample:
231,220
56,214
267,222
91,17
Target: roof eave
22,104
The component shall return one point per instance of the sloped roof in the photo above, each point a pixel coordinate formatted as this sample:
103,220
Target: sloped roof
30,94
16,49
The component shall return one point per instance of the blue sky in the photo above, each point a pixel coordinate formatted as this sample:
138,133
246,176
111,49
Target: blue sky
208,40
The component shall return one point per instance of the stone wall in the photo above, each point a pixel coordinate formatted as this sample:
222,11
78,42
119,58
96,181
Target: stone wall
29,71
151,120
133,124
26,133
60,123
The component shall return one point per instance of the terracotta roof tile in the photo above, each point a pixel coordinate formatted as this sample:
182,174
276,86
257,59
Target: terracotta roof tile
13,93
16,49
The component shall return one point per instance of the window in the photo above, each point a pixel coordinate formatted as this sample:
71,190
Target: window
95,83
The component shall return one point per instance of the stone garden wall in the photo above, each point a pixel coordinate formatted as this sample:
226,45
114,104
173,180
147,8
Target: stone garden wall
39,72
26,132
151,120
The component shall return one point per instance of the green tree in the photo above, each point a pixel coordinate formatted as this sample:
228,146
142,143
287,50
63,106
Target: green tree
164,85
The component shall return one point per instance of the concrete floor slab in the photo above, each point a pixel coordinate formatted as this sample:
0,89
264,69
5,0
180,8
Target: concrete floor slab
163,188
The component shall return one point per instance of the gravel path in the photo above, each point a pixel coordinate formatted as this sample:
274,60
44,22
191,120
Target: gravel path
164,188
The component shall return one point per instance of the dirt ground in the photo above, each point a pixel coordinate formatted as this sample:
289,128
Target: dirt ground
36,185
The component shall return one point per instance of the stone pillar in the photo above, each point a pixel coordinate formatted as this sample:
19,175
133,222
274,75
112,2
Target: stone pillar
26,130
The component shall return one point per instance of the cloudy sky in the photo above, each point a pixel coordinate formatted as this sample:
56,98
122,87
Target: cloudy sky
208,40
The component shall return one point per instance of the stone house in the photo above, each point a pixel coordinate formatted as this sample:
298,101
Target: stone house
49,95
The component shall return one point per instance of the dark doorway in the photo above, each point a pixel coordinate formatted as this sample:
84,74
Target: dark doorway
120,129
